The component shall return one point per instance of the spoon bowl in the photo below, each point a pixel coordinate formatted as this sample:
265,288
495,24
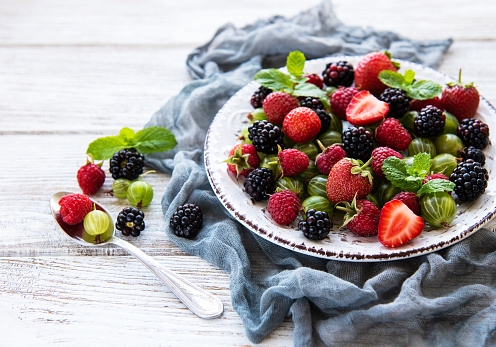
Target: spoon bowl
199,301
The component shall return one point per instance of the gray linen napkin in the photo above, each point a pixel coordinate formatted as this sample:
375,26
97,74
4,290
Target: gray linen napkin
445,298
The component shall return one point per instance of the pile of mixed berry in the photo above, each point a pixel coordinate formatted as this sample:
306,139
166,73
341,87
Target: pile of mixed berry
409,153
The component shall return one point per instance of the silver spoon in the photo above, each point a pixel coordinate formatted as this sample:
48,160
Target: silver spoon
199,301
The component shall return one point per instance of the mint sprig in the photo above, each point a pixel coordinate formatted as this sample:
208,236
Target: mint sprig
148,140
436,185
404,176
419,90
291,82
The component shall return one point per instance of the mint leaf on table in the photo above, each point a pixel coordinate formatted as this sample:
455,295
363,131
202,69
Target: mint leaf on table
295,63
436,185
274,79
148,140
419,90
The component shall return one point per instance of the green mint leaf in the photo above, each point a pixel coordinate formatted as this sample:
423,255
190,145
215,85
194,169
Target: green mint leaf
154,139
409,77
274,79
104,147
127,135
309,89
436,185
392,79
396,171
295,63
421,165
424,89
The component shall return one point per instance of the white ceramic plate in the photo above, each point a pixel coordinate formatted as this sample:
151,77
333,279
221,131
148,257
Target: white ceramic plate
340,244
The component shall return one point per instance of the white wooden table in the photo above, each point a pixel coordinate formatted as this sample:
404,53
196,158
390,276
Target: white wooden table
72,71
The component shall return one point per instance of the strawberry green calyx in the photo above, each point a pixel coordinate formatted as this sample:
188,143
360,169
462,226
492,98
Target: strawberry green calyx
351,210
459,82
239,160
359,168
390,56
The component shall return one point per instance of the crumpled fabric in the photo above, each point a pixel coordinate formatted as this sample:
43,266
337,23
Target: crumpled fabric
446,298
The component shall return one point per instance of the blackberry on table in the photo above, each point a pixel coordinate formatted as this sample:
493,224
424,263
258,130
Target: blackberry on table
319,108
358,143
259,96
316,226
265,136
127,163
473,153
473,132
429,122
187,220
259,184
130,221
397,100
470,179
338,74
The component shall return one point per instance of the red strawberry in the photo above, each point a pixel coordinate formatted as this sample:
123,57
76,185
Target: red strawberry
277,105
368,69
293,161
243,158
418,105
410,200
315,79
90,177
349,177
329,157
362,217
391,133
301,124
460,100
74,207
398,224
340,100
283,207
379,155
366,109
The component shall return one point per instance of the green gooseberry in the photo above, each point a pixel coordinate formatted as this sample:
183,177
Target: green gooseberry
291,183
451,124
244,136
385,192
140,193
310,172
309,148
119,187
257,114
330,137
444,163
319,203
408,119
438,209
318,186
449,143
96,222
422,145
270,162
336,123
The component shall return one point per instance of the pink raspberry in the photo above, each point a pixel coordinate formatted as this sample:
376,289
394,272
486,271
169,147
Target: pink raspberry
380,154
293,161
340,100
74,207
329,156
283,207
410,200
390,133
315,80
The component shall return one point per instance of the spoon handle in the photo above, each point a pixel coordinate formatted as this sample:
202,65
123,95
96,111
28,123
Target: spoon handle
199,301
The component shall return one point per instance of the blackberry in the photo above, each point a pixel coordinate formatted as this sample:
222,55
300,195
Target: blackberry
265,136
319,108
316,226
127,163
358,143
187,220
338,74
259,96
259,183
429,122
397,100
130,221
473,132
470,179
473,153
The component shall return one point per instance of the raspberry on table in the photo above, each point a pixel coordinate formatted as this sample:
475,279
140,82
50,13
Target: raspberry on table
473,132
130,221
358,143
316,226
283,207
259,184
429,122
90,177
74,207
397,100
187,220
127,163
338,74
266,136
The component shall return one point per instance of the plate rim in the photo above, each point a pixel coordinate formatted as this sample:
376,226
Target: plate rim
321,253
